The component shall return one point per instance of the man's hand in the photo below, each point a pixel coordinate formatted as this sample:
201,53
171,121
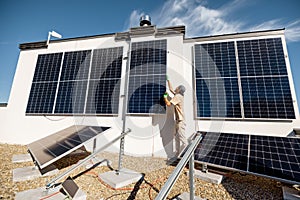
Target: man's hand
165,95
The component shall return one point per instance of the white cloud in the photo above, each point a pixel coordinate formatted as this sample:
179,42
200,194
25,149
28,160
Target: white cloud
293,31
200,20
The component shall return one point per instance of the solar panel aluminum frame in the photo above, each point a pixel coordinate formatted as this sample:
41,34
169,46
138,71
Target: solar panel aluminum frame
86,95
243,118
195,101
128,76
78,128
247,172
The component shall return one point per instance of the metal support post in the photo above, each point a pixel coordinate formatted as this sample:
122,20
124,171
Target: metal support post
180,166
191,177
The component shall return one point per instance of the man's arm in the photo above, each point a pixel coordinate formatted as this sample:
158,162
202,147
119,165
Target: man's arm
170,86
167,102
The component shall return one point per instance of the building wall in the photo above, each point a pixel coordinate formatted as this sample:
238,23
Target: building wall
150,135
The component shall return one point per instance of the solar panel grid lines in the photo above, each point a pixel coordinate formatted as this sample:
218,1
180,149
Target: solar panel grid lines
217,88
43,88
147,74
275,156
63,82
224,149
105,79
262,89
49,149
73,82
269,156
47,67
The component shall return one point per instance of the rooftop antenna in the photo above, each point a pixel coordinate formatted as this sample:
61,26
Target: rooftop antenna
145,20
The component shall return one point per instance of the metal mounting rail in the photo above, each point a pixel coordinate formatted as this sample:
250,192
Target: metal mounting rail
189,155
51,183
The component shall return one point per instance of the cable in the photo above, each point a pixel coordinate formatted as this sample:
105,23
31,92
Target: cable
54,119
95,175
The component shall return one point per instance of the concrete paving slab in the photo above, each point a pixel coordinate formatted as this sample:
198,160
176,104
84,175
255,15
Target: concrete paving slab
125,177
29,173
51,194
290,193
21,158
39,193
208,176
186,196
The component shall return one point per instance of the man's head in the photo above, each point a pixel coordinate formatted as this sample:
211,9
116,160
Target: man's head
180,90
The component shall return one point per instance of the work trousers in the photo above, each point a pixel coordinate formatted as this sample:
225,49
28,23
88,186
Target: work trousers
180,139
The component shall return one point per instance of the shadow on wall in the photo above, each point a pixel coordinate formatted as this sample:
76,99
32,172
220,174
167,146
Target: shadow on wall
166,125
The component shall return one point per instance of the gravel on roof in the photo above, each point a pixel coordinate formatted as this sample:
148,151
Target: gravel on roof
155,171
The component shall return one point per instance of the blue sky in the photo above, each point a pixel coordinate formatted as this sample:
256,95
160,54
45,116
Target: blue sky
31,20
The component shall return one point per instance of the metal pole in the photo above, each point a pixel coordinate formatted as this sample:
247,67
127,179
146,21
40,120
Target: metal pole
48,185
122,141
191,176
174,176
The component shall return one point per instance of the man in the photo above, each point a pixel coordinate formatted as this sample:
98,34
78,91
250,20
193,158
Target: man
178,102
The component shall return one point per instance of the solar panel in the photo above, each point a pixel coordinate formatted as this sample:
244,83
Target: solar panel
104,85
228,150
275,157
49,149
243,79
147,82
217,87
73,82
77,83
43,89
265,85
269,156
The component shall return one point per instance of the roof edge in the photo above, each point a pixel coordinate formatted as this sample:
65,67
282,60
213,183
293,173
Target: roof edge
242,34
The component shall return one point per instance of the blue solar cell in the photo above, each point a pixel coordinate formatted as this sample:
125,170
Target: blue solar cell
104,84
103,97
71,97
267,97
44,84
217,88
147,77
41,98
261,57
76,65
107,63
228,150
215,60
274,157
47,67
262,80
218,97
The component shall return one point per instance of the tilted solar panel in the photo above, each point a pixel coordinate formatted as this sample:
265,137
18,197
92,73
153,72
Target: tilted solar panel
268,156
228,150
49,149
147,77
275,157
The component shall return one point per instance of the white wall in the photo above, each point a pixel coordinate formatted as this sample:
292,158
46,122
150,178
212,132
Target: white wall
151,135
